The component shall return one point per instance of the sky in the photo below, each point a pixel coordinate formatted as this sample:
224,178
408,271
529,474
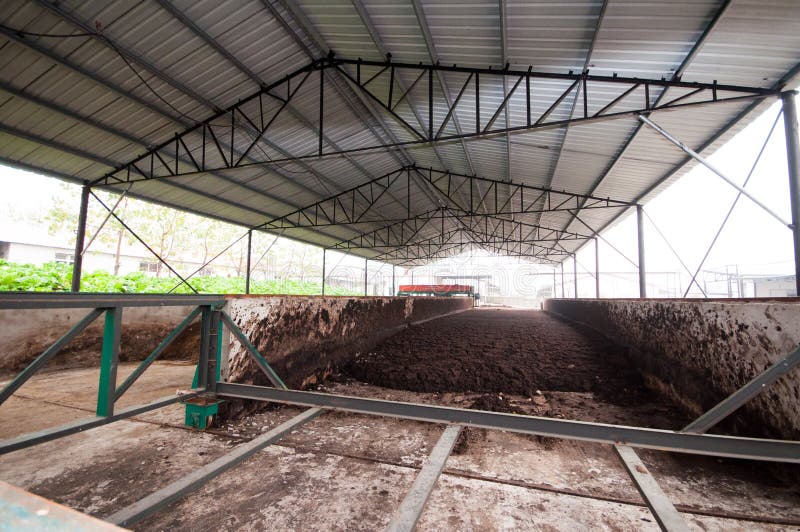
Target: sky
687,214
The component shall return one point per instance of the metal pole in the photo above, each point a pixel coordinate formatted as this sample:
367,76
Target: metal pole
77,264
249,252
109,360
793,159
640,232
393,281
561,265
575,274
554,282
366,265
324,253
596,268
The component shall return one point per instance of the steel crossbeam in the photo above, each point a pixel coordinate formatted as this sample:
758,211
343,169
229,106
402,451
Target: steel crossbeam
665,440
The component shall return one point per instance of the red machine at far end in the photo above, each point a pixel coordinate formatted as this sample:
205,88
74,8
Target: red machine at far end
439,290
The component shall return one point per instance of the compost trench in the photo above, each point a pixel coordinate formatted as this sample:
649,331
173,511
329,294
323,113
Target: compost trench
511,351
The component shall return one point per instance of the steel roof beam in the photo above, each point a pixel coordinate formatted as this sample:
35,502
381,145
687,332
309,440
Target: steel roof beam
131,56
586,63
571,76
189,23
71,179
341,209
504,61
779,85
66,63
396,234
190,135
376,39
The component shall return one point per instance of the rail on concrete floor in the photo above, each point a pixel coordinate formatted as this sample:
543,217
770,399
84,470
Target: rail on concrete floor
692,440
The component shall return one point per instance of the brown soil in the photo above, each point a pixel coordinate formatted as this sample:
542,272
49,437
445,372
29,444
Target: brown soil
502,350
136,342
516,361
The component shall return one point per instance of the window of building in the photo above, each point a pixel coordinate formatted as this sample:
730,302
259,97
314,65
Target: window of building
149,267
65,258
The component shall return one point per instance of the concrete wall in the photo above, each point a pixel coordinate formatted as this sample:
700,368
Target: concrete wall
305,338
697,352
26,333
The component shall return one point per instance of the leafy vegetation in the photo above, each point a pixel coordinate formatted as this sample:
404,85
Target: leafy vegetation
54,277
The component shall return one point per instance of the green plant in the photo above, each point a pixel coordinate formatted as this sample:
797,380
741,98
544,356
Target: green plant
54,277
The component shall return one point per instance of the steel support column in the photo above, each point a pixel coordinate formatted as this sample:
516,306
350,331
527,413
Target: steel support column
555,284
793,159
575,274
596,268
77,264
366,267
249,253
324,253
394,291
109,360
640,233
561,265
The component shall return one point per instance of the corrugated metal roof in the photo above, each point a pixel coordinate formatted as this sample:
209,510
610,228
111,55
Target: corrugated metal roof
74,108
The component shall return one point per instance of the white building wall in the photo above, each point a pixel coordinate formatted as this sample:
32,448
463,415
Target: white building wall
37,254
92,260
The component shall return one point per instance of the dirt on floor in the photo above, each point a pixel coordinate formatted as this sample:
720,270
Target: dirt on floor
524,362
509,351
83,351
347,471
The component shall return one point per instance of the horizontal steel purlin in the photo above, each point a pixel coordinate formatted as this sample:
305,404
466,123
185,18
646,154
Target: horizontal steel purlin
16,300
665,440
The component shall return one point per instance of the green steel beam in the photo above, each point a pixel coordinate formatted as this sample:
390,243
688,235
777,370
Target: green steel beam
35,438
156,353
33,300
109,360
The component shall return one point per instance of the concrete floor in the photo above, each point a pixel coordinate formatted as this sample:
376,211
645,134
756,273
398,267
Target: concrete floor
345,472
